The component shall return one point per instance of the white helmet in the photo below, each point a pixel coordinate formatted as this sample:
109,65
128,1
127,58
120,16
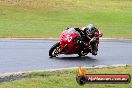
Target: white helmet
90,28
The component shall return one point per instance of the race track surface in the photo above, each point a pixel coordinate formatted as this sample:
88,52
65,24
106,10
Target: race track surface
28,55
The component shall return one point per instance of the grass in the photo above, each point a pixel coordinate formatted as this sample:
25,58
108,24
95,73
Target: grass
48,18
66,79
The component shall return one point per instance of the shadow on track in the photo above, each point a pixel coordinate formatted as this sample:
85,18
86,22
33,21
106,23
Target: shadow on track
77,58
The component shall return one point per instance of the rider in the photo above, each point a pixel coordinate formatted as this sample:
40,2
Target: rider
92,33
89,33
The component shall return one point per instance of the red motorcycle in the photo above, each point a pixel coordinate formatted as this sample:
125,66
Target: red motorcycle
69,45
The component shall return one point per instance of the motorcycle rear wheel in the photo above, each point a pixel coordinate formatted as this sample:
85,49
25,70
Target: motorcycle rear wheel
82,53
55,50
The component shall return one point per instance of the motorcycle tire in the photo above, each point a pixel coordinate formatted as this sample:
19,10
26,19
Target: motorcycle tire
81,53
53,52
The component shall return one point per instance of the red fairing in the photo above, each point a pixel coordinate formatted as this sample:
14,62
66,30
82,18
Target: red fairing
68,43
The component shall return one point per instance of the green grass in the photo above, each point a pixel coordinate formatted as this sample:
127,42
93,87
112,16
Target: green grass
66,79
48,18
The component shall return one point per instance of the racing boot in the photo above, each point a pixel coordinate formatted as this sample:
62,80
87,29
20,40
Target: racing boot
94,53
94,49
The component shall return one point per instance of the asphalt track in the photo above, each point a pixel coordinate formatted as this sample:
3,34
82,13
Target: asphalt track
28,55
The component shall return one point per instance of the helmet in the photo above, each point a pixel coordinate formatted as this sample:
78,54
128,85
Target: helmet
90,28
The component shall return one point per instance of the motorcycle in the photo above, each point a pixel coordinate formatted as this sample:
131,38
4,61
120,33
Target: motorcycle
68,44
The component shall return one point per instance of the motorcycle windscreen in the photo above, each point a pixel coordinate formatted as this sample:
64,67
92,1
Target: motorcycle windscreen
69,35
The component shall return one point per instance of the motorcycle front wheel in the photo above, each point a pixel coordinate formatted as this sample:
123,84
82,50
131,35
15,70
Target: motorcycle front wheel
55,50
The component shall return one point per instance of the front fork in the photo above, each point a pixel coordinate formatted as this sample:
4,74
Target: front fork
63,48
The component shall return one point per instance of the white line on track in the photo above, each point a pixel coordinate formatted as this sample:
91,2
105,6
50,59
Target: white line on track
59,69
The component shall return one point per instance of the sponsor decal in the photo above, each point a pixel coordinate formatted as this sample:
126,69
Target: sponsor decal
68,38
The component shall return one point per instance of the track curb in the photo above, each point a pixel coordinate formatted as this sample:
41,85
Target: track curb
59,69
6,77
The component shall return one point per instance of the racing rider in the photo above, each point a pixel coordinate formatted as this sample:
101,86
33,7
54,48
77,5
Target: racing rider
89,33
92,34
